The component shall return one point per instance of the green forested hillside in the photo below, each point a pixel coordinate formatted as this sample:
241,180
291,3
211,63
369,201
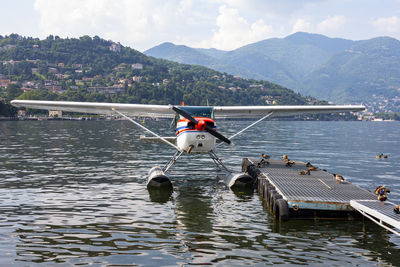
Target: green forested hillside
94,69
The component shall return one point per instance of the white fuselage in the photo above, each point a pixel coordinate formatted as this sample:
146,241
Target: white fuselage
200,140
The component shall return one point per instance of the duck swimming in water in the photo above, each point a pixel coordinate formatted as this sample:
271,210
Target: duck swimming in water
380,156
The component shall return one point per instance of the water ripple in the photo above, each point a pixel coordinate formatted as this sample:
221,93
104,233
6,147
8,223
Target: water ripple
75,193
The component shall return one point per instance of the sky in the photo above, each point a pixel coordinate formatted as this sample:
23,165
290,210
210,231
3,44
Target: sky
221,24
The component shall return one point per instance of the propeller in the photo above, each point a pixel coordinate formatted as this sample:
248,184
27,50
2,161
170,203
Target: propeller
196,122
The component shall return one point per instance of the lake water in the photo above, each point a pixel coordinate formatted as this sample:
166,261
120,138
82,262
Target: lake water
74,193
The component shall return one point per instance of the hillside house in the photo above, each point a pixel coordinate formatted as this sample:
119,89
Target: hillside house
137,66
115,47
4,82
55,113
53,70
137,79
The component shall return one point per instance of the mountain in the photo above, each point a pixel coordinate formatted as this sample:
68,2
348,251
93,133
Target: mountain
335,69
94,69
368,68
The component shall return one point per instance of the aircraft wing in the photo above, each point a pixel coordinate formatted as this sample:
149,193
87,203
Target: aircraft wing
280,111
165,111
136,110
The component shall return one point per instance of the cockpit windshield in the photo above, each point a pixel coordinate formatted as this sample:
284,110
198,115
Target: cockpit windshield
199,111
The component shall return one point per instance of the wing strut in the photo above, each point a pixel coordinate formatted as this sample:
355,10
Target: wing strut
248,127
144,128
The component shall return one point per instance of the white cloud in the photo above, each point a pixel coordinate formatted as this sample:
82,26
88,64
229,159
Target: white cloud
139,24
223,24
331,24
388,25
301,25
234,30
328,26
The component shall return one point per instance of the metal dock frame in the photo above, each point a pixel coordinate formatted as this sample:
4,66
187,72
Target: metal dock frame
380,213
289,195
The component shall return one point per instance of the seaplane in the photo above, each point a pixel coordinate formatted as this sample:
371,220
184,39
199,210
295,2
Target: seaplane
196,129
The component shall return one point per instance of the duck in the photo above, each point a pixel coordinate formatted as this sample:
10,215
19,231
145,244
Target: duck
381,190
312,168
265,156
289,163
339,178
308,164
382,197
304,172
396,209
262,163
285,157
380,156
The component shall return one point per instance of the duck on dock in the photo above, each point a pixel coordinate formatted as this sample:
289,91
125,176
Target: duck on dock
339,178
305,172
265,156
396,209
285,157
382,192
290,163
382,198
262,163
311,167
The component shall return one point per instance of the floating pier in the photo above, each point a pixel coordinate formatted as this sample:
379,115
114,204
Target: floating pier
380,213
297,190
289,194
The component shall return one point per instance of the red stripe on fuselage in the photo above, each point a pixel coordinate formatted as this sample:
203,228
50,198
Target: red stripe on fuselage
203,121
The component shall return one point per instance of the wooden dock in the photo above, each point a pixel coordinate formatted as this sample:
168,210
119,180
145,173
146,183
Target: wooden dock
289,194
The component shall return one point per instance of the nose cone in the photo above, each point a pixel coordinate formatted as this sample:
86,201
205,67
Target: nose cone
201,125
